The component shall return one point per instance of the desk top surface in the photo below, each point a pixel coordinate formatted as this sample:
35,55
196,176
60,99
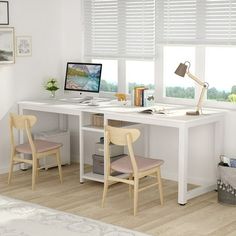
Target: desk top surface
165,113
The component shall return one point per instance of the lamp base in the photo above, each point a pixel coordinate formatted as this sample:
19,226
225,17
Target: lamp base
193,113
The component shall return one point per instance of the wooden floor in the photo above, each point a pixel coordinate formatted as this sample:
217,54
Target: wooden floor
201,216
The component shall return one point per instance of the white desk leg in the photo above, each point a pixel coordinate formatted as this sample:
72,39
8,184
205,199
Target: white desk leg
105,123
147,140
219,142
81,148
63,122
183,164
23,166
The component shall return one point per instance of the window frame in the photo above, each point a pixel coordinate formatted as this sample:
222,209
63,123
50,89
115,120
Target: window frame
159,80
200,57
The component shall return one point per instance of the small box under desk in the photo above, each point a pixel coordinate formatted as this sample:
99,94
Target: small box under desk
59,136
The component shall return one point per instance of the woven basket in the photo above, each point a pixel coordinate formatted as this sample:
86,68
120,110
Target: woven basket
226,185
225,196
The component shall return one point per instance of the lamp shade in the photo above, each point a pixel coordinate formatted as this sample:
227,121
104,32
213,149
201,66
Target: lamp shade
181,70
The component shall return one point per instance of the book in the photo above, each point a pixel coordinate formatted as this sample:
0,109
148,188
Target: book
153,111
148,98
138,95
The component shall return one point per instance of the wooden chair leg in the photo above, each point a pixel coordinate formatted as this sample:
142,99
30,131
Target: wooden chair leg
136,186
10,169
34,172
160,185
130,186
59,164
105,189
38,166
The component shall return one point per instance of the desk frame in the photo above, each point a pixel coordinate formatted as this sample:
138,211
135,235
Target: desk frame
183,127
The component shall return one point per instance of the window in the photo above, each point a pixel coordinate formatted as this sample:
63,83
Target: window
119,29
126,34
220,73
140,73
109,75
176,86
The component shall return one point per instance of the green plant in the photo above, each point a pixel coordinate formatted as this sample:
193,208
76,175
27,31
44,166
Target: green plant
52,85
232,98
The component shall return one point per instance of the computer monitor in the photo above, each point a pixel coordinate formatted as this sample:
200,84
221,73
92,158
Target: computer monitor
83,78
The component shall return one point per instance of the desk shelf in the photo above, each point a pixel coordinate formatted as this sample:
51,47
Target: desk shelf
100,178
93,128
94,177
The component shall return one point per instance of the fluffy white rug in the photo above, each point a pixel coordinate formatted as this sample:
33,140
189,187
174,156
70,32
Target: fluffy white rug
18,218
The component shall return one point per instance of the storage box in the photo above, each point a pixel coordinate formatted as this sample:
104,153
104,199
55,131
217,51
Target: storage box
114,149
59,136
116,123
98,164
98,120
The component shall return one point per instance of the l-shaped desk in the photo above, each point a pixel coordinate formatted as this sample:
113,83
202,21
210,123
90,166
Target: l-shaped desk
175,117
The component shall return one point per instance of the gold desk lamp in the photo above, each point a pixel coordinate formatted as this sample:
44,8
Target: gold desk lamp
183,69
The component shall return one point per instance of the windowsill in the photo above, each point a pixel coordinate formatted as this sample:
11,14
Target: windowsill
193,102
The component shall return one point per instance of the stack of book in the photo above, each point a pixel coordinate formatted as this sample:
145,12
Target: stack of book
143,97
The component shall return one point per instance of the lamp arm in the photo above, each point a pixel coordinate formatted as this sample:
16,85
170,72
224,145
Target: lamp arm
200,100
195,79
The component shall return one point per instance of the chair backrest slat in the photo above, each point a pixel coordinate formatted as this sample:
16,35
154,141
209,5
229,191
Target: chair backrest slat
18,121
122,137
118,136
24,123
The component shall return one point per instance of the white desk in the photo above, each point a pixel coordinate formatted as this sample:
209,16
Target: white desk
175,118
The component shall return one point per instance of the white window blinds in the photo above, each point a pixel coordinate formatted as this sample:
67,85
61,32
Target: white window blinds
120,29
196,22
176,21
220,21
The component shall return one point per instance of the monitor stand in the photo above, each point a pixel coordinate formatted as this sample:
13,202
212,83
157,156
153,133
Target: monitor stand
78,97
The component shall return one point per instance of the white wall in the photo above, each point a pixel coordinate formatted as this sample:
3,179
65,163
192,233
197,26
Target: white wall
24,79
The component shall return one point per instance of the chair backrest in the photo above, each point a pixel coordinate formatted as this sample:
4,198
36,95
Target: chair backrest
122,137
24,123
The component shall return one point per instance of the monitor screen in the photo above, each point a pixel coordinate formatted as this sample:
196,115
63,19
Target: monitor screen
84,77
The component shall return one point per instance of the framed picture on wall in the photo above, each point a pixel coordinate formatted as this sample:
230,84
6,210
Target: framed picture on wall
4,13
23,46
7,52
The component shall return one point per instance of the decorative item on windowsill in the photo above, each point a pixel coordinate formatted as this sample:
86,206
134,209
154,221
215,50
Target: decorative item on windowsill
52,86
143,97
121,98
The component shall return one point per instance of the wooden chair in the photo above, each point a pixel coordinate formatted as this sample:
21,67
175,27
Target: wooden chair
37,148
137,167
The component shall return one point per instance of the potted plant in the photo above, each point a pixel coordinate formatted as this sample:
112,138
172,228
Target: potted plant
52,86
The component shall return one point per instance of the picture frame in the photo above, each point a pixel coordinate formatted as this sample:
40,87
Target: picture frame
23,46
4,13
7,47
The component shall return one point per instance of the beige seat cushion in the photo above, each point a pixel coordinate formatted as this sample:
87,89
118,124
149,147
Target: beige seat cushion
40,145
124,164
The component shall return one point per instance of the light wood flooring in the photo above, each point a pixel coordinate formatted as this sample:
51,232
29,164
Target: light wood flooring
201,216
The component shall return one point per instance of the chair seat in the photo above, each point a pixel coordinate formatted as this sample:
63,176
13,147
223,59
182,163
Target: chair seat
124,164
40,145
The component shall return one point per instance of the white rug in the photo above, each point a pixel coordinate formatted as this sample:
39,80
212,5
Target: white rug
18,218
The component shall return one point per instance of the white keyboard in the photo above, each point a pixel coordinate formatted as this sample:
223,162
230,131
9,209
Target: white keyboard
77,100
